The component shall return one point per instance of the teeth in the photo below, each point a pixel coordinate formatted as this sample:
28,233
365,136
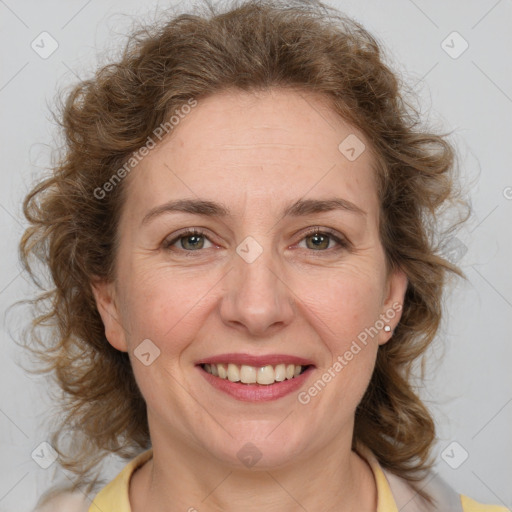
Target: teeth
221,369
280,371
266,375
233,372
246,374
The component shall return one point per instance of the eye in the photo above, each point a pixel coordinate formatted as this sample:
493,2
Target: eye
321,238
189,240
317,238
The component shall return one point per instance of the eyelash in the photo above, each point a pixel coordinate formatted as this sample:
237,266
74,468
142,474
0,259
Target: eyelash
342,242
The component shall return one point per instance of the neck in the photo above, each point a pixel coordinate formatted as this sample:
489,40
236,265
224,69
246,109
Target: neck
178,479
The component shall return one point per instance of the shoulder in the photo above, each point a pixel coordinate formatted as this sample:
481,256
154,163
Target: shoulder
469,505
64,502
445,498
114,497
399,495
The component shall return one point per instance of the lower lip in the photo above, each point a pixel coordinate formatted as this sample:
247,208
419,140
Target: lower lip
257,392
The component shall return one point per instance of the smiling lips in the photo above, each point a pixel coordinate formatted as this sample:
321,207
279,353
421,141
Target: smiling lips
254,375
247,369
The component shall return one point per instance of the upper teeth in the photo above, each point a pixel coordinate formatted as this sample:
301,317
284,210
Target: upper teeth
251,374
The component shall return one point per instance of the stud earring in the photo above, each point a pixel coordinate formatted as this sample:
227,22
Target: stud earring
387,328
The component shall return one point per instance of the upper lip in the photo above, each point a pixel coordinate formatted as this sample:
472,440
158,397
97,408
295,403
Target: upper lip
252,360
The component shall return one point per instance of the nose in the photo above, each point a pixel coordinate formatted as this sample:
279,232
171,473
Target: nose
257,298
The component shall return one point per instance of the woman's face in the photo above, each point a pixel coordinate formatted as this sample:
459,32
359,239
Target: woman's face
271,170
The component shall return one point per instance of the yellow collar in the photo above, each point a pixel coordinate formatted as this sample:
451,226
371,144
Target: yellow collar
114,497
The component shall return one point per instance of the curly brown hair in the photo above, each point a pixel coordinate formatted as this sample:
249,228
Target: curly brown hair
253,45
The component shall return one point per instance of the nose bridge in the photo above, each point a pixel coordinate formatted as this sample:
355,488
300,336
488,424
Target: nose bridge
256,296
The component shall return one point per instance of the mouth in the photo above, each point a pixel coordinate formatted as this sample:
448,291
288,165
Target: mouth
257,381
253,375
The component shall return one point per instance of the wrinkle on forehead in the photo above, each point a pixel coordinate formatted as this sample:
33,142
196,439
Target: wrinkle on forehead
271,149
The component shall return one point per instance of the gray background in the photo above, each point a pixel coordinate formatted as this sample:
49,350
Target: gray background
469,384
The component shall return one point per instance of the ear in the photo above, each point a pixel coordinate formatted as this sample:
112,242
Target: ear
393,304
104,294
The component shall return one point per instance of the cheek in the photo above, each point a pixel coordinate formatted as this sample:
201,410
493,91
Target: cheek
344,304
344,314
162,304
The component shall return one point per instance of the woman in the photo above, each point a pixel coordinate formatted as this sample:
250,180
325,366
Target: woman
240,234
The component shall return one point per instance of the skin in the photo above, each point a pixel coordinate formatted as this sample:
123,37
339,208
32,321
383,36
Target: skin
255,153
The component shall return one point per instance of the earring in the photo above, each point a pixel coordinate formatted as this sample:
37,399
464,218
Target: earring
387,328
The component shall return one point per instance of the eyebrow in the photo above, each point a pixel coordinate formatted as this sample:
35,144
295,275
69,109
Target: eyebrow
299,208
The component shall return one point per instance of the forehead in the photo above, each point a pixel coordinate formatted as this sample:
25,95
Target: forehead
269,146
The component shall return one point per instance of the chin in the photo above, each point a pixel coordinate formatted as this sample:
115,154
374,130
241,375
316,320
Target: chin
263,450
